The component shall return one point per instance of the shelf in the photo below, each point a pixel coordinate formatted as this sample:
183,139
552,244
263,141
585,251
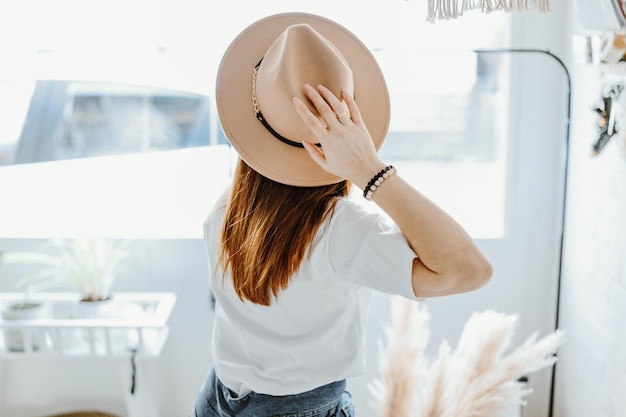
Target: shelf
617,71
136,325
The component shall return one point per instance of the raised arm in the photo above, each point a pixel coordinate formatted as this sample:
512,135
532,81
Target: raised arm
448,261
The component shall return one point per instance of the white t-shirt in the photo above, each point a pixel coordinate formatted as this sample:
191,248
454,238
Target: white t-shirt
314,332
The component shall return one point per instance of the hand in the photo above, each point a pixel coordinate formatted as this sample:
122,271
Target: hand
347,149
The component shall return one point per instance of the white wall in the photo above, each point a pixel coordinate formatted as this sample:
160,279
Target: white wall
591,372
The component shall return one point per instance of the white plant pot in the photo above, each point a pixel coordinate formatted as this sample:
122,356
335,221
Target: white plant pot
104,309
17,339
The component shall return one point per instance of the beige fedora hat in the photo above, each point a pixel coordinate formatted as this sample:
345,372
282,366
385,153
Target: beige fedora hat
267,65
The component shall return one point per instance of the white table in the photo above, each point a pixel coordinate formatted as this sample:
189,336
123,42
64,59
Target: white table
137,330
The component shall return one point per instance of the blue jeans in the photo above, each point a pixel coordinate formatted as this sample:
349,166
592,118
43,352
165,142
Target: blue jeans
215,400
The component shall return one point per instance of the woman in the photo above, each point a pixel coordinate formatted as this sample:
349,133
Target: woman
293,260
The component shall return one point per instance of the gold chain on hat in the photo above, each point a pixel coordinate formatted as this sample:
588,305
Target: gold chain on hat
255,102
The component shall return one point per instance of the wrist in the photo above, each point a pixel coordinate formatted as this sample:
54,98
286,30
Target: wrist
366,175
377,180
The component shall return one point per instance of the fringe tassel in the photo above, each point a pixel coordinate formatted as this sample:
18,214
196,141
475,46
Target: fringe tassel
451,9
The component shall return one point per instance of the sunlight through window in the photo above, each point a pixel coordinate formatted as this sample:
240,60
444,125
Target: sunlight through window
89,92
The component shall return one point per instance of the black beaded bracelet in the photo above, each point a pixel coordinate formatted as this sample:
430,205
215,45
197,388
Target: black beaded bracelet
377,180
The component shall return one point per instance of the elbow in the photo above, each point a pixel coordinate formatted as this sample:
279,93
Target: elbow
477,275
469,276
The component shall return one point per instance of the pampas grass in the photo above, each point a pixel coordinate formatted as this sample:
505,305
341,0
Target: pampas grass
404,364
477,379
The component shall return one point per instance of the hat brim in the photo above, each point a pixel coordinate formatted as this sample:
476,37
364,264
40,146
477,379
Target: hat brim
253,142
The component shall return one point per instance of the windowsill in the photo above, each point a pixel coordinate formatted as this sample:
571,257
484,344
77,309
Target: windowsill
155,195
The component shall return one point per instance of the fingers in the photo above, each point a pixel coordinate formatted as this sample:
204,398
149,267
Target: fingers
324,110
316,126
355,114
333,113
339,108
315,153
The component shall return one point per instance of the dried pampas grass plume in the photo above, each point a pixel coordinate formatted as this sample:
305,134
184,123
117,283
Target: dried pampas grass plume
402,360
475,380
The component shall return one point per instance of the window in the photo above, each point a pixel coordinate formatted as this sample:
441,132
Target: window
103,119
15,97
79,120
124,116
448,131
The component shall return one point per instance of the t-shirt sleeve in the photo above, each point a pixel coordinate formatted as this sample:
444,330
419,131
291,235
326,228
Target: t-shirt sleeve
368,250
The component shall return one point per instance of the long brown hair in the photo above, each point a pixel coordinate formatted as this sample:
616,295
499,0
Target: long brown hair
267,230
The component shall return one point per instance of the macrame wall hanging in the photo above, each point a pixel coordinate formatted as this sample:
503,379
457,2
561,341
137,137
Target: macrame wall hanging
451,9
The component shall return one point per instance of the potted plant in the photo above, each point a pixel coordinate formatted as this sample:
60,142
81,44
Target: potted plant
88,266
22,310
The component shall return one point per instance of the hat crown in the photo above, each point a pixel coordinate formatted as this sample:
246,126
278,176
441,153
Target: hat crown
300,55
